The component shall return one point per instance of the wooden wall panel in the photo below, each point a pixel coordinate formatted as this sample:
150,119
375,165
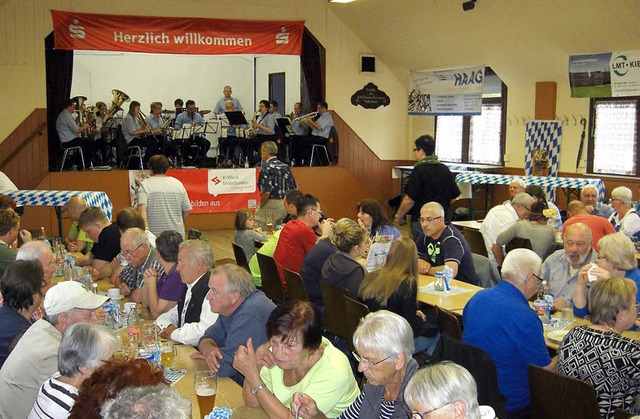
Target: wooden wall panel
24,154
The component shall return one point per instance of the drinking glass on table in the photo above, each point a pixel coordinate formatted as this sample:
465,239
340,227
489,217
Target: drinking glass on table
148,335
168,354
130,347
206,385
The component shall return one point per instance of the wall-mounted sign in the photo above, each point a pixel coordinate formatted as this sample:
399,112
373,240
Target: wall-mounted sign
370,97
456,91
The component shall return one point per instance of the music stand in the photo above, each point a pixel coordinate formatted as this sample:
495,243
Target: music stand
285,125
236,118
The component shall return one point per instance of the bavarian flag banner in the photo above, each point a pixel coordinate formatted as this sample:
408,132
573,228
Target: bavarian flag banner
455,91
179,35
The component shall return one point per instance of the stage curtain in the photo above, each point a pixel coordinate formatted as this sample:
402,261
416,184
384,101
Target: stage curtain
59,67
312,66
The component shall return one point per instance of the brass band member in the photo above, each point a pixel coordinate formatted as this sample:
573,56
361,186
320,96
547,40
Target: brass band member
265,125
228,144
69,131
300,133
193,118
155,122
135,131
222,103
101,132
320,128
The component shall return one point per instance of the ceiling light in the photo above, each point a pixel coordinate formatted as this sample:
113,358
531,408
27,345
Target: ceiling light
341,1
468,5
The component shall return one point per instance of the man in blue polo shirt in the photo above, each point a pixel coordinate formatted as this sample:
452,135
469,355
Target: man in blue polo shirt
500,321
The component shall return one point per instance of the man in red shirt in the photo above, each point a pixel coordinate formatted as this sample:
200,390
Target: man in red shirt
297,237
599,226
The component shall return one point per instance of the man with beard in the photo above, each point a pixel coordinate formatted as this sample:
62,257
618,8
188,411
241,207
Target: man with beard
561,268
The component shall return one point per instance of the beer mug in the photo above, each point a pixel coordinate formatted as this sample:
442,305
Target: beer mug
130,347
169,354
206,384
148,335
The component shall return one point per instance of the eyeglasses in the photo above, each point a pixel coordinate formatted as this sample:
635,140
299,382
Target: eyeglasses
416,149
428,219
129,254
367,362
316,210
416,415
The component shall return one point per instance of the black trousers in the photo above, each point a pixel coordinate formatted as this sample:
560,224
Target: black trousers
88,146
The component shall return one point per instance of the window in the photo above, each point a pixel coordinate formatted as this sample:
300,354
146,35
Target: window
614,133
480,138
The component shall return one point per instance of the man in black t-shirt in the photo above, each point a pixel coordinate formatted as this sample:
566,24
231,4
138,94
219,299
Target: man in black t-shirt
106,239
429,181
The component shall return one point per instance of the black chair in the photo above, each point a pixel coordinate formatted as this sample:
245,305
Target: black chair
475,241
334,310
518,243
271,282
354,311
295,286
555,395
241,258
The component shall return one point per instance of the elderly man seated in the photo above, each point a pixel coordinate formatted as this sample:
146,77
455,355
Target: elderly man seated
35,357
187,321
140,256
589,197
499,321
516,186
442,244
562,267
599,226
624,219
501,217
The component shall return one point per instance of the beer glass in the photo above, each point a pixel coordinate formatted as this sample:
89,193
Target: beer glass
148,335
206,384
168,354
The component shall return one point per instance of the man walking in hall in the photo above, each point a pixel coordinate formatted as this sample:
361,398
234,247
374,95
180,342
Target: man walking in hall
429,181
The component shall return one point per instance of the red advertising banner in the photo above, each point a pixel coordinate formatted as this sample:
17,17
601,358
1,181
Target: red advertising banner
172,35
219,190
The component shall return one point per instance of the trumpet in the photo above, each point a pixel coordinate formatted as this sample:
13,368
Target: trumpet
307,116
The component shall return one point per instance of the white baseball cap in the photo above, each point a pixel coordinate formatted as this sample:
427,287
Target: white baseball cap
68,295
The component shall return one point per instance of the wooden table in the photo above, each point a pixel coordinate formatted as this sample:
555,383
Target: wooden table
578,321
229,393
471,225
454,303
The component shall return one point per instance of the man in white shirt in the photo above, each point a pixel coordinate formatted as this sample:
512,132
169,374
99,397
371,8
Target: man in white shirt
187,321
501,217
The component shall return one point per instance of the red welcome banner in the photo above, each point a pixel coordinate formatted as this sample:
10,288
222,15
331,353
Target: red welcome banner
219,190
169,35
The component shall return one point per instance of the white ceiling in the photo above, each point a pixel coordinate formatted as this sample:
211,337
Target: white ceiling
523,41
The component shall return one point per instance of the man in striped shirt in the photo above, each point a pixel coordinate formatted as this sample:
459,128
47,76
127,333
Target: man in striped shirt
84,347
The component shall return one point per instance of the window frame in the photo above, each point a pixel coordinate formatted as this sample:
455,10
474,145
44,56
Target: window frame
466,125
592,129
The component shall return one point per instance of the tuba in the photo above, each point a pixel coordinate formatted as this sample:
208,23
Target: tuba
84,113
119,98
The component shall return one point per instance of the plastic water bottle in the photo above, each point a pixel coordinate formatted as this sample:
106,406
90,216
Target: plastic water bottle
133,324
246,162
448,277
43,237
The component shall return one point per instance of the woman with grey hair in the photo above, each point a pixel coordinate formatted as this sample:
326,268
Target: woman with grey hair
84,347
598,353
384,345
616,259
445,390
149,402
624,219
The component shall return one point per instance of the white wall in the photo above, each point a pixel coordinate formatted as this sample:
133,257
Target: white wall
165,77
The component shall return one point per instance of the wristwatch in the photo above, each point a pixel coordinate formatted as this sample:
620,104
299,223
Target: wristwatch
255,390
